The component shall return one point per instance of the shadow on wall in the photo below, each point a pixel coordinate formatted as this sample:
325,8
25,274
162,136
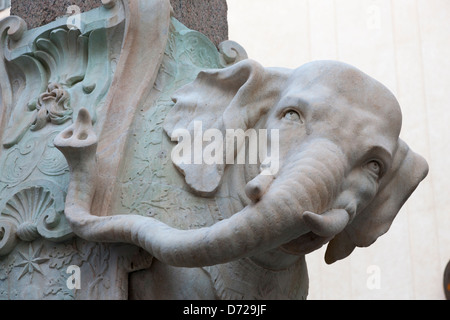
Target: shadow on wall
447,281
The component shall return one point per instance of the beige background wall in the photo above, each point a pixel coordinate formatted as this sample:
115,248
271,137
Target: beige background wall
4,13
406,45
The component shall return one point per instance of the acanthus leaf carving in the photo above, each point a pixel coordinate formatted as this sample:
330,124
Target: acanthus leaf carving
51,70
201,52
57,62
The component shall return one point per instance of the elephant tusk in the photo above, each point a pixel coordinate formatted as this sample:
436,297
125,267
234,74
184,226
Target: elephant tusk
327,224
257,187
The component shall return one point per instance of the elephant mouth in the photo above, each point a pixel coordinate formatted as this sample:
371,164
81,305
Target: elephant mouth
323,228
317,225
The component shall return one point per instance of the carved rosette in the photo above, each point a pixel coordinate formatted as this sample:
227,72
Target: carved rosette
52,106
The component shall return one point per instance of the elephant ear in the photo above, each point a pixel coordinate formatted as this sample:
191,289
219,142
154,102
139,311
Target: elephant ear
232,98
407,171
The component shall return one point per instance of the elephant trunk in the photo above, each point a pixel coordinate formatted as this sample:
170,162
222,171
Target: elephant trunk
307,183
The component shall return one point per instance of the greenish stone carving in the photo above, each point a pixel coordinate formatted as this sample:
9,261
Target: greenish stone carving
149,185
50,77
49,74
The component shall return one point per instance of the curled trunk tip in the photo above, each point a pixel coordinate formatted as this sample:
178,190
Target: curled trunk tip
327,224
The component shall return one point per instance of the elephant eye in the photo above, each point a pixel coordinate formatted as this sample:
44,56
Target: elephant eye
374,167
293,115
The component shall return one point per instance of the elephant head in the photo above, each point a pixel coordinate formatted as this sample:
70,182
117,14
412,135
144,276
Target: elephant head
343,171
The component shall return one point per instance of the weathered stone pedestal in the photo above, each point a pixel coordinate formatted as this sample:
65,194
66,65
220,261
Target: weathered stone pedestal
206,16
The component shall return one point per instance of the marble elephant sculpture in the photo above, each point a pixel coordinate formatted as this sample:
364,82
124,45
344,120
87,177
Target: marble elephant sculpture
343,171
